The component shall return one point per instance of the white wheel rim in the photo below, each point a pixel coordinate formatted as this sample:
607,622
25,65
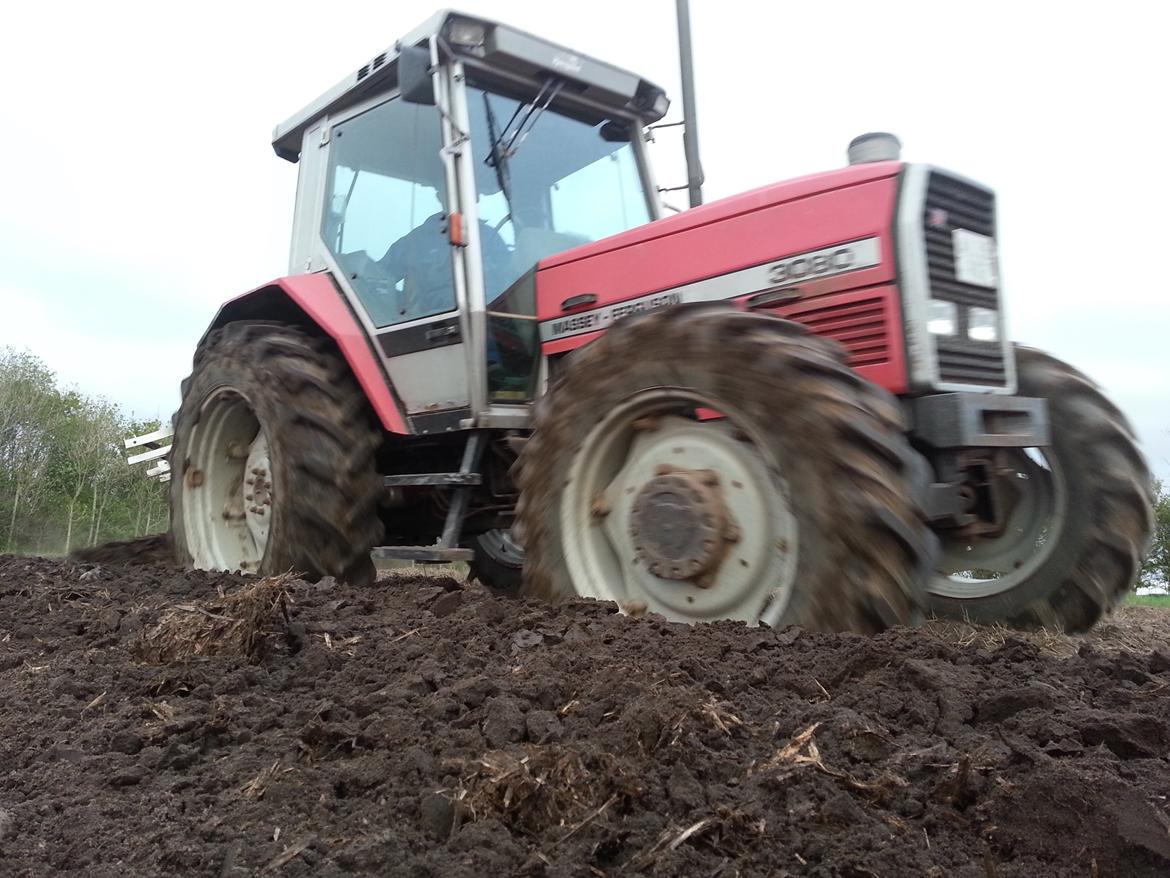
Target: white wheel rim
228,490
753,579
1030,536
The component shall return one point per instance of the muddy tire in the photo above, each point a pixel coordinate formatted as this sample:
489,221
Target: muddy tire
820,454
273,458
498,562
1091,528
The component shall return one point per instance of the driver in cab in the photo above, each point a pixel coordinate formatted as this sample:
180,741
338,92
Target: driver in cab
420,260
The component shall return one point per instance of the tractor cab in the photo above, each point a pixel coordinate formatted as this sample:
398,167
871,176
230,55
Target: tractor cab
435,178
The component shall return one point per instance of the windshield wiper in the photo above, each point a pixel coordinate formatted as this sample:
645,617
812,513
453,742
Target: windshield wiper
535,109
496,158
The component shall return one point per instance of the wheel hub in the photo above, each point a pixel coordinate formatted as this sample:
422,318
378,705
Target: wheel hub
982,565
677,524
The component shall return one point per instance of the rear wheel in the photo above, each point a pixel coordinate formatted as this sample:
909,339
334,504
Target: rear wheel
1080,516
792,506
273,458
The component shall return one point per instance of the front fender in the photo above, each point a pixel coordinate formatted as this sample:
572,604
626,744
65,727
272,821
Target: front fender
313,300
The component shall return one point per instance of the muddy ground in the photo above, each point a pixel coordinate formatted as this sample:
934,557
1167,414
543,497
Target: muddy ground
156,722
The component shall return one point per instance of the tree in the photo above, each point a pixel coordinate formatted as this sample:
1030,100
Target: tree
30,414
64,480
1156,568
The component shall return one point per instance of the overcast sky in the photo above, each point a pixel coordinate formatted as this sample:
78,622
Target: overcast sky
138,188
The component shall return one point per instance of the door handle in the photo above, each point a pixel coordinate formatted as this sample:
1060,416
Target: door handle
441,332
577,301
769,298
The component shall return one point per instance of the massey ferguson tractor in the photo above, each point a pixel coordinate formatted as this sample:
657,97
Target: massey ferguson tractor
795,405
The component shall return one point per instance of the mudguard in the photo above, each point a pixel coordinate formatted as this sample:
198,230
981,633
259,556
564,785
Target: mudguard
314,300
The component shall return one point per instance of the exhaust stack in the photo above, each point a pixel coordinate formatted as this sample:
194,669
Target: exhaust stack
876,146
686,62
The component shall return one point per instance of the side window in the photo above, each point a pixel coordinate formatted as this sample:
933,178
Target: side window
384,217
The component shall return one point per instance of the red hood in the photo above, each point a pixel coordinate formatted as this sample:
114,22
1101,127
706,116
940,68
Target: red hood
725,208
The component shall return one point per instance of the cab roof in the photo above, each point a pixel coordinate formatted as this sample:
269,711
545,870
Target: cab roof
496,45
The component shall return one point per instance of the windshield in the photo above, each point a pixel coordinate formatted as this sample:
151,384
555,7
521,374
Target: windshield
558,184
544,183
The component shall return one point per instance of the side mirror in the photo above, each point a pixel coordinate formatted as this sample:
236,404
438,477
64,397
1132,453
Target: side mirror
415,84
615,132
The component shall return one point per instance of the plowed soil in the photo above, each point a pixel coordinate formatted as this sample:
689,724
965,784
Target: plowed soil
158,722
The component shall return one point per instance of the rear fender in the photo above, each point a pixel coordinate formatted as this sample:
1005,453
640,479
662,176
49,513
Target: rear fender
314,302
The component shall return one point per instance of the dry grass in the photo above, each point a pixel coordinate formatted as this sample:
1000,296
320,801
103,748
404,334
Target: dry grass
994,636
802,752
244,623
1130,629
538,787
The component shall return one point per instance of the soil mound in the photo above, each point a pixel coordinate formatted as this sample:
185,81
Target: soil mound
154,549
161,722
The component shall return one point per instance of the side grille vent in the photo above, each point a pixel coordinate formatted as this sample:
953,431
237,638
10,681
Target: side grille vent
858,325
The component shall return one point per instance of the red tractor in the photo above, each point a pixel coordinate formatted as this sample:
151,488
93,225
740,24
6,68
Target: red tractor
795,405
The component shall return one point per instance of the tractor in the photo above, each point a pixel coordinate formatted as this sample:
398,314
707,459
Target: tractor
796,405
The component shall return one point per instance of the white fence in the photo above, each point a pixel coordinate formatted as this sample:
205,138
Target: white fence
155,451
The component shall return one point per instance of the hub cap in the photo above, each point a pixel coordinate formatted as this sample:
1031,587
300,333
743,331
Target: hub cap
687,518
677,524
228,486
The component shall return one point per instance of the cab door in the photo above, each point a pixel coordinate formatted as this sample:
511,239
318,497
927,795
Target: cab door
384,233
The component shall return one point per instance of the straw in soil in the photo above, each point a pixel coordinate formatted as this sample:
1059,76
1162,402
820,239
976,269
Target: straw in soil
244,623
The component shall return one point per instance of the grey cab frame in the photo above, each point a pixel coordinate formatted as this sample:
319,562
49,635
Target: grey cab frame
437,363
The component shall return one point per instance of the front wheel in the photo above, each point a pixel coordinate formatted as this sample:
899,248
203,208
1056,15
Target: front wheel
704,464
1079,521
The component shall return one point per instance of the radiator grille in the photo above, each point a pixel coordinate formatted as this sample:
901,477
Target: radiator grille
859,326
953,204
971,362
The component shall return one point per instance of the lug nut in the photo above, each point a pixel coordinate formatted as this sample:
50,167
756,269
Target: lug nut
599,508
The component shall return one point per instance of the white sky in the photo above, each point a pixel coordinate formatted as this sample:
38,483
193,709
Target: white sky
138,188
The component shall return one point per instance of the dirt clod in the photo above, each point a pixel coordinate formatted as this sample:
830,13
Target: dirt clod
160,722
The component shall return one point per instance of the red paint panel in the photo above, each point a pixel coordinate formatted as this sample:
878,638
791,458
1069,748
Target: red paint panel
861,310
867,323
727,244
317,296
726,208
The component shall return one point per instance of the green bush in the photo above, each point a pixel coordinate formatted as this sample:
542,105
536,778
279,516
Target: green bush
64,482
